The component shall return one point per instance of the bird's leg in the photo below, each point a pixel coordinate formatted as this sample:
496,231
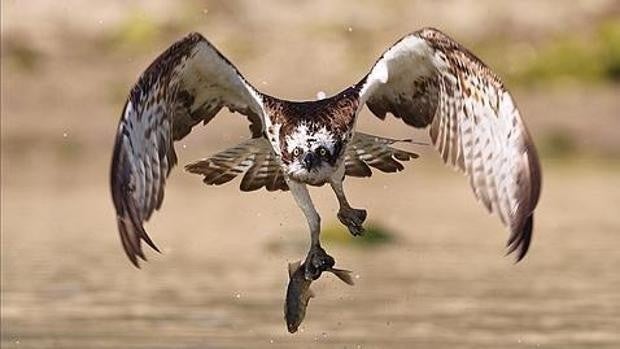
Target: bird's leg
351,217
317,260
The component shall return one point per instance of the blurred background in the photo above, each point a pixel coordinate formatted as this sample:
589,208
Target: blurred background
431,271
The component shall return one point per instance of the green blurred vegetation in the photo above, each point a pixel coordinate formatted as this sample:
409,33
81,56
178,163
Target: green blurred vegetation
21,55
376,234
558,144
137,31
584,56
335,233
594,57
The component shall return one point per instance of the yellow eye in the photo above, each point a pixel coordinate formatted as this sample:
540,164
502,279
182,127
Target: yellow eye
322,151
296,152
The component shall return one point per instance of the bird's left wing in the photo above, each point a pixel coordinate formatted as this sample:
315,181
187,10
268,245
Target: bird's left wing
428,79
187,84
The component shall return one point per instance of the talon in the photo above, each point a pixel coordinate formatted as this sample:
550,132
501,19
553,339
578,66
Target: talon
353,219
317,262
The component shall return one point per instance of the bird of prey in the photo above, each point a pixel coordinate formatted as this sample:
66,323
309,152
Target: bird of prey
426,79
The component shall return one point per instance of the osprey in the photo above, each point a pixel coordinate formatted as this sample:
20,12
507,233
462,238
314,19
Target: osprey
426,79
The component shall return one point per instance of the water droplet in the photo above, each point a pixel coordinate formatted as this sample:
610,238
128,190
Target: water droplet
100,21
357,276
237,295
349,29
320,95
205,11
65,134
264,82
324,334
271,341
184,146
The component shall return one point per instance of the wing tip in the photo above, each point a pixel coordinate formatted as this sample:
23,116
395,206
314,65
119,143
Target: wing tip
521,239
131,239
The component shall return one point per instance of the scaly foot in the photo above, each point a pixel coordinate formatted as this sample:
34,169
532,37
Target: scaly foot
353,219
317,262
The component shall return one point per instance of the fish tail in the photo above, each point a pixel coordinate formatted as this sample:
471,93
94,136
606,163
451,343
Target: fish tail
344,275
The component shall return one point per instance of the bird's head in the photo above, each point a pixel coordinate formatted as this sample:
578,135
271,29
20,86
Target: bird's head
310,153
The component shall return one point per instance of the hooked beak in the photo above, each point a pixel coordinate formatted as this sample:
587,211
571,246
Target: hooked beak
310,160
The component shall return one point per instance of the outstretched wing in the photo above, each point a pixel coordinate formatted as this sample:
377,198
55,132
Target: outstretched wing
187,84
428,79
367,150
255,157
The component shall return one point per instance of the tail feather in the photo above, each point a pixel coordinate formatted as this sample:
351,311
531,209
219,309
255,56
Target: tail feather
254,157
366,150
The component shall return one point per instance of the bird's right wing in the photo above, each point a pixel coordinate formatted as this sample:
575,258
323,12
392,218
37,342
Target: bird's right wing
187,84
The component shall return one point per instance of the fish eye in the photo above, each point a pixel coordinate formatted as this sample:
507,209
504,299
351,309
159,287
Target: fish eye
322,151
296,152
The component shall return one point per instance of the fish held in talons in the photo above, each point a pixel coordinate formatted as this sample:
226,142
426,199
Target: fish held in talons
317,262
298,293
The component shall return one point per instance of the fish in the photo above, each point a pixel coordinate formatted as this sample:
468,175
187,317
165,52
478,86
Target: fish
298,293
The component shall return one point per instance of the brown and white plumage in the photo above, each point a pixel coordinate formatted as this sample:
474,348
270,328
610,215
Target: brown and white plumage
366,150
428,79
255,157
187,84
260,164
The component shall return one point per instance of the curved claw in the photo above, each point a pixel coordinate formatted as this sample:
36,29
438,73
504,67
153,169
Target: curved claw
353,219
